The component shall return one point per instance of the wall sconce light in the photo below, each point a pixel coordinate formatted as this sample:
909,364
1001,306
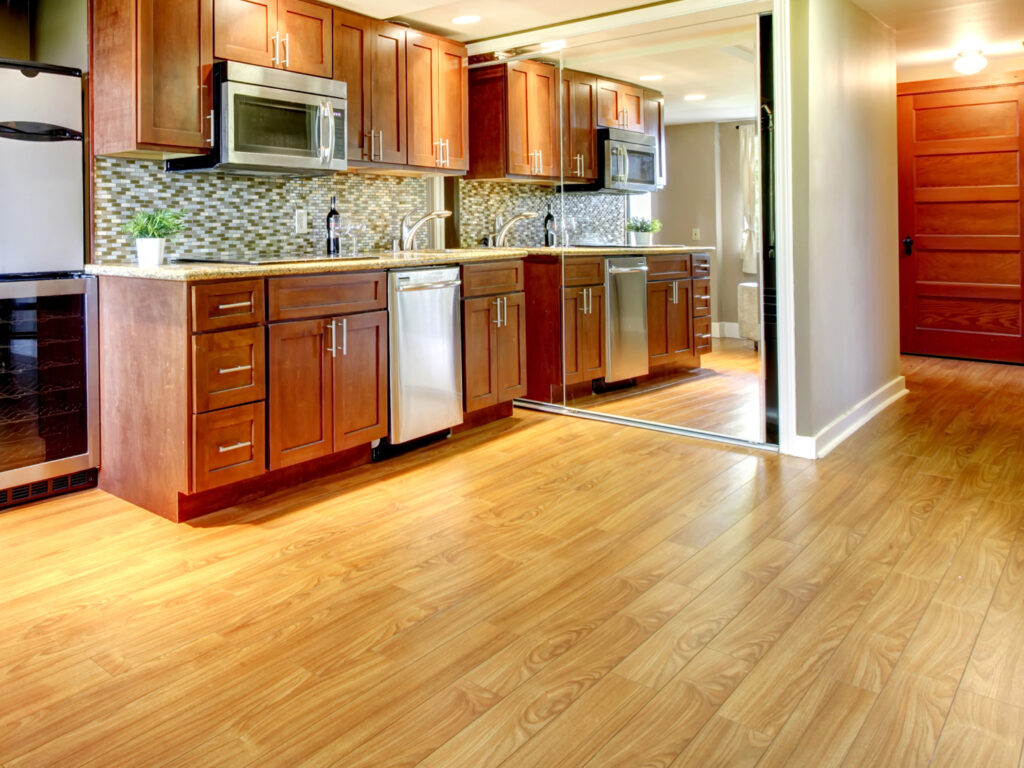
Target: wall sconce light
970,62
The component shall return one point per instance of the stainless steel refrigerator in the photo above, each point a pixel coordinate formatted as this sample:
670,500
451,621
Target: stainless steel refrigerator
49,414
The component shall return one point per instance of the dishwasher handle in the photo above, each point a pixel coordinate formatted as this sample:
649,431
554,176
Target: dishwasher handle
428,286
625,270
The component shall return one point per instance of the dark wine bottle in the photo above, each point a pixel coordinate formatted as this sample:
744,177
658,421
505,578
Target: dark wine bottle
549,227
333,230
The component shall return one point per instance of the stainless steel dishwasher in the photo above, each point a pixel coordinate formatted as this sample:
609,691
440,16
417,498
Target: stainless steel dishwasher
625,291
425,356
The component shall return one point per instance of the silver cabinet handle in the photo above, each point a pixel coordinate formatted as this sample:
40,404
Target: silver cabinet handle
371,135
287,48
344,336
334,339
703,335
590,300
210,118
235,447
236,305
380,147
497,313
675,291
236,369
626,270
583,303
447,154
439,158
702,298
504,311
276,58
429,286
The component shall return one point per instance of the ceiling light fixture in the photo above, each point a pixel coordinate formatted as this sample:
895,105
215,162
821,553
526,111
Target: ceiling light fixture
695,97
970,62
552,45
652,78
465,20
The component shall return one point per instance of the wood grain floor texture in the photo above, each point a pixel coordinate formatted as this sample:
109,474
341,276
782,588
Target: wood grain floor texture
548,592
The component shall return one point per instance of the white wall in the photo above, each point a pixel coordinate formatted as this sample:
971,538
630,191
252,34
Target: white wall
844,214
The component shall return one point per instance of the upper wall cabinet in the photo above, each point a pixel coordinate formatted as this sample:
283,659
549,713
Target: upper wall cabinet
620,105
654,125
151,65
514,129
369,55
579,123
438,102
286,34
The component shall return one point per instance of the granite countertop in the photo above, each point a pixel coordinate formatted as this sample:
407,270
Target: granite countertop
370,260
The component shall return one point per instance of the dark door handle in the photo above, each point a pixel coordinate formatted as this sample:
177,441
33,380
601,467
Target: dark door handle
908,245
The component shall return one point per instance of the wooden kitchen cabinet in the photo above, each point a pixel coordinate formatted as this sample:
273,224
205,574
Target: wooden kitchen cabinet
584,333
359,386
285,34
669,322
514,127
151,88
438,102
654,125
579,126
620,105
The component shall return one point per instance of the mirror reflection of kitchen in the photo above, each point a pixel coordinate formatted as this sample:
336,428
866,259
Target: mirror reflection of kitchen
681,321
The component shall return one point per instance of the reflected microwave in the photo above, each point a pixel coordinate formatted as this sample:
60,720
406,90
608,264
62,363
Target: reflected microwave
269,121
627,162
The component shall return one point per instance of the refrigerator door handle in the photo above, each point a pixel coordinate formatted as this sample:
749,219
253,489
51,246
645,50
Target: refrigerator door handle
28,131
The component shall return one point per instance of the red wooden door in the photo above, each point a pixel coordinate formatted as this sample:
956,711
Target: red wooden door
960,155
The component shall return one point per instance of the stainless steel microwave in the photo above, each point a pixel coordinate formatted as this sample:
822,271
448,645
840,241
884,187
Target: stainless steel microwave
627,162
269,121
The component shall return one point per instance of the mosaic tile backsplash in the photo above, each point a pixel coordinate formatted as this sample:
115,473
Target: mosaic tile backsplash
598,218
232,215
228,214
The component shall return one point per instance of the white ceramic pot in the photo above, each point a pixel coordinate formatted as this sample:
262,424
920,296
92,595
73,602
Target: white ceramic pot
640,238
150,251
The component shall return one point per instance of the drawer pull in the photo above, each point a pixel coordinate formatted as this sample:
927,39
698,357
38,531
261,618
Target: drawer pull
703,335
235,447
702,298
236,305
236,369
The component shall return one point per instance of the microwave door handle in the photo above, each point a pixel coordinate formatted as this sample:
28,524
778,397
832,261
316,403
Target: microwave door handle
625,161
332,138
320,131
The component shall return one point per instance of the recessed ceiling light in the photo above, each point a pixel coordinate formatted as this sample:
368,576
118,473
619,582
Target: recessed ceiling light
651,78
552,45
695,97
465,20
970,62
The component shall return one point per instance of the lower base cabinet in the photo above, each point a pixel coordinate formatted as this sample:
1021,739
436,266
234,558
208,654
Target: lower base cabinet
228,446
494,345
584,333
668,322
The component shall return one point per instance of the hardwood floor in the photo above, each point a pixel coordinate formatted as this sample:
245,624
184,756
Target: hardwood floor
548,592
723,396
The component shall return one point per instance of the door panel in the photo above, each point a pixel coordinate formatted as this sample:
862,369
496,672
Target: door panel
352,62
541,97
242,31
480,351
360,386
573,302
299,393
421,79
511,348
308,47
453,103
388,92
592,351
519,160
960,202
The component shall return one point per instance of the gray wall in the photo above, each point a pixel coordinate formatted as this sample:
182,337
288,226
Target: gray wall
61,32
845,209
730,202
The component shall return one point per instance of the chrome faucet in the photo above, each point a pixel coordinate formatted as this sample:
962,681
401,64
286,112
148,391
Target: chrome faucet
409,228
503,229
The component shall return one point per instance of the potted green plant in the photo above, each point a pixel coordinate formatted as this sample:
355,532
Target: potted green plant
150,230
641,229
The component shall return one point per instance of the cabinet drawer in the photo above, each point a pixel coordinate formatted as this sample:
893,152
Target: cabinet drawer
583,271
228,446
294,298
701,297
671,266
701,265
492,278
702,334
226,305
227,368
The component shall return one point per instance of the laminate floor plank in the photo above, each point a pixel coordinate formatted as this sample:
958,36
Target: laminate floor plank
549,591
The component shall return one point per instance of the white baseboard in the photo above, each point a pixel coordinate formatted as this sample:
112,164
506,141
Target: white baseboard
833,434
725,330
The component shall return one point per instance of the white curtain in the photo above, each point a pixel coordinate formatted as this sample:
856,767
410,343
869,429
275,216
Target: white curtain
750,183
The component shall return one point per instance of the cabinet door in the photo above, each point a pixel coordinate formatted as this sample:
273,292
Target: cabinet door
631,101
570,165
511,348
360,387
453,103
680,319
352,62
574,302
421,54
592,335
299,394
306,37
583,105
520,161
542,112
242,31
387,92
654,125
480,352
609,104
173,82
659,303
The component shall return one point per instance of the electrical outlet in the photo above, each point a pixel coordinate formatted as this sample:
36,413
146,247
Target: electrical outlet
695,234
301,222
